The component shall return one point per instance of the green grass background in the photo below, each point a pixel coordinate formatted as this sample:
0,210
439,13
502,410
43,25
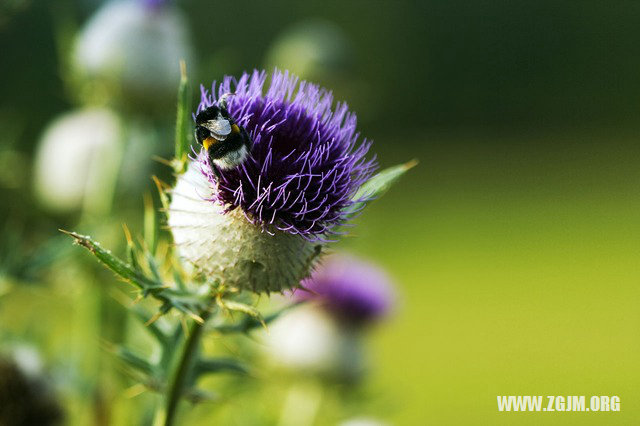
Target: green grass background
517,259
514,243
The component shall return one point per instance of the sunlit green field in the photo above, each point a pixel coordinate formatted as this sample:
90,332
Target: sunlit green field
517,256
513,245
515,260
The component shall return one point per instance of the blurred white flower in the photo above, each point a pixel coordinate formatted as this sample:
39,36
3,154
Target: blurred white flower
363,421
134,47
310,342
77,160
28,360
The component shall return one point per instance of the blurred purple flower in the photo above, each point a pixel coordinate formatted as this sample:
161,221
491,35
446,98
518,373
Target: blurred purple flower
356,292
154,4
306,164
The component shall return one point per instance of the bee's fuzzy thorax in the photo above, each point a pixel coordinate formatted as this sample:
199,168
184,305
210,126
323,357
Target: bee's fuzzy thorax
305,164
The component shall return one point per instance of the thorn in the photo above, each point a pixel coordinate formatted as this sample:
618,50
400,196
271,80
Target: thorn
119,296
81,240
160,184
163,184
196,318
411,164
134,390
303,288
161,160
264,325
70,233
127,234
153,319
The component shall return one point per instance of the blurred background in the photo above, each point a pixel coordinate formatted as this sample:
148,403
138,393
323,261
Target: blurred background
513,246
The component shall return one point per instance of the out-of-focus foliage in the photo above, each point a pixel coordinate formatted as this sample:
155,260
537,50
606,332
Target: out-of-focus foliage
515,241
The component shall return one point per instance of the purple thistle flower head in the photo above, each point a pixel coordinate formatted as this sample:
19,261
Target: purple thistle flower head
306,163
259,222
356,292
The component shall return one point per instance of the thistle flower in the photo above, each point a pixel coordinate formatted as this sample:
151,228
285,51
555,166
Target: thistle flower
326,337
353,291
262,224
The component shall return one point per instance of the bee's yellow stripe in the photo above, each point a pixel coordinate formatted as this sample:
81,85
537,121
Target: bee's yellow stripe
208,142
235,128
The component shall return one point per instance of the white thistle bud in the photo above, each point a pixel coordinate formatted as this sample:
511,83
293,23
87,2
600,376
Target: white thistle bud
226,246
308,341
133,50
78,155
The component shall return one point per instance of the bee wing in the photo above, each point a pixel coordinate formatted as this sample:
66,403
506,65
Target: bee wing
219,128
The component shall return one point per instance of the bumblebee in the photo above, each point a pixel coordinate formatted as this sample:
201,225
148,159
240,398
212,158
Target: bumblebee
227,143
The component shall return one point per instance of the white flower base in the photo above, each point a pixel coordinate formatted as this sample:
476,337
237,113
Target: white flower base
227,247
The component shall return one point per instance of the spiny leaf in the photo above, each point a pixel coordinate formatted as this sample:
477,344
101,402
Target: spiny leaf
193,395
153,266
153,327
186,301
196,396
144,317
178,279
217,365
249,323
119,267
244,308
133,360
182,300
379,184
168,352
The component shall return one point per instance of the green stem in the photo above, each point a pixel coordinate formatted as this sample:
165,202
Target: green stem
183,369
